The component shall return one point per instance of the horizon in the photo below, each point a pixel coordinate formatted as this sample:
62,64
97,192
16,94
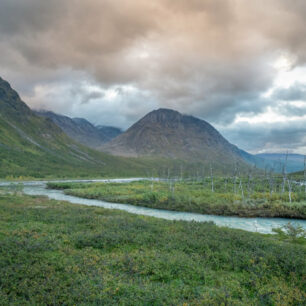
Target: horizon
111,62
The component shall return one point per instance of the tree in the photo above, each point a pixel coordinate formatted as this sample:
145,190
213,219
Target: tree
212,178
305,172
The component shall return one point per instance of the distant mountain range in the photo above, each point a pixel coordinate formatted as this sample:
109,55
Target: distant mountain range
82,130
167,133
277,161
44,143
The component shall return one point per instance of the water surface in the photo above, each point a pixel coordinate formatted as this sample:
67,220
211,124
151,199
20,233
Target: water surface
262,225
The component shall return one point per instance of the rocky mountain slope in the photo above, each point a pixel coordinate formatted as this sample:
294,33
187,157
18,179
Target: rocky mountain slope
34,146
82,130
170,134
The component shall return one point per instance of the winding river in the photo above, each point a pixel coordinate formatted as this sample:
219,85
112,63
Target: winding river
261,225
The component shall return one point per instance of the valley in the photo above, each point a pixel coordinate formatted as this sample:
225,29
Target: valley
237,213
152,153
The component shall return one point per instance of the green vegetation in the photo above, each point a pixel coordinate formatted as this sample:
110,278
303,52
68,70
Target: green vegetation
62,254
230,197
34,147
291,232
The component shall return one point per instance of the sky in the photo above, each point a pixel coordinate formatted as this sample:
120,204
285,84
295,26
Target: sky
238,64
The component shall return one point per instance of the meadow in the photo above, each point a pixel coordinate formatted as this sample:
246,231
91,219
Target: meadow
223,196
58,253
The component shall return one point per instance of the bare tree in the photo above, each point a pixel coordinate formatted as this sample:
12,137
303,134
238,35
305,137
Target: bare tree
285,173
271,181
225,183
182,174
235,177
305,172
250,178
241,188
152,182
212,178
203,176
290,190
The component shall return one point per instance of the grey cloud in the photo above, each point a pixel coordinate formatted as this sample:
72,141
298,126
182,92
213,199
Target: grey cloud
210,58
293,93
290,110
277,137
84,95
92,96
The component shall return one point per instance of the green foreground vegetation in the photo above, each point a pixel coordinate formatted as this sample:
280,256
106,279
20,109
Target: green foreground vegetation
229,196
62,254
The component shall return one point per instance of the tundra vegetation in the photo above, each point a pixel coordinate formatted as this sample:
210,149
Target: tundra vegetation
58,253
245,196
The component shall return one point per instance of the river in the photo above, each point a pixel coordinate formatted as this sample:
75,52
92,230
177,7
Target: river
261,225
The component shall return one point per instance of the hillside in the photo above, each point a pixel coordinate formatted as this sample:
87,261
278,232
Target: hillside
82,130
167,133
33,146
110,131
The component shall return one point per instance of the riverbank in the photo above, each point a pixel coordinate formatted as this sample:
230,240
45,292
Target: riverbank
194,197
58,253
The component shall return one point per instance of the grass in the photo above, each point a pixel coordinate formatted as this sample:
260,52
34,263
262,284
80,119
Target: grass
196,197
57,253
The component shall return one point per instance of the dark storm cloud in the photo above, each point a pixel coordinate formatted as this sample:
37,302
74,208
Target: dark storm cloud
210,58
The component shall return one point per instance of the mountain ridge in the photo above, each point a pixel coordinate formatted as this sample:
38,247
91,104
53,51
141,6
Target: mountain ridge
34,146
168,133
81,130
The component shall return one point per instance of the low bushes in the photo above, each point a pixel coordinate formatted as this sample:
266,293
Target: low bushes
55,253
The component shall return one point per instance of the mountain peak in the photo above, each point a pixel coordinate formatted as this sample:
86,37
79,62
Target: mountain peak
11,103
165,112
168,133
163,116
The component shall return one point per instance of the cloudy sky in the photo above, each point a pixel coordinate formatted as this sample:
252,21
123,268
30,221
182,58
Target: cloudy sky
239,64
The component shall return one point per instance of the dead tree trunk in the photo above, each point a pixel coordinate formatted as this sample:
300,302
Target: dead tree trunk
182,174
305,173
271,182
285,173
235,178
241,188
290,190
152,182
212,178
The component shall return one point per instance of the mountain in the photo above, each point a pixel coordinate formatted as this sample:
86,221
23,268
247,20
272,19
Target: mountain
33,146
82,130
276,161
110,131
169,134
255,160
